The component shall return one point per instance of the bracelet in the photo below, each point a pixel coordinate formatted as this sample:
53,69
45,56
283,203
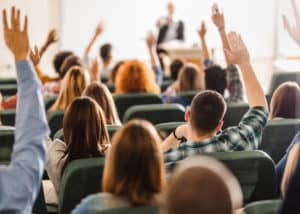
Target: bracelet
174,134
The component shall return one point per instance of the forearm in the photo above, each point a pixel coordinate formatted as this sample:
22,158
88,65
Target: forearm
90,45
153,57
254,91
204,48
225,43
169,143
44,48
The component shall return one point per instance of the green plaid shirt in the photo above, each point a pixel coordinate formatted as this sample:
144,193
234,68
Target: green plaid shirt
245,136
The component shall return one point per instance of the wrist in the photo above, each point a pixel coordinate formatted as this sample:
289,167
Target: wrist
244,65
20,57
221,29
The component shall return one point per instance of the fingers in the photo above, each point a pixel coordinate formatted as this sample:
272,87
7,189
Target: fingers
25,29
12,17
4,17
17,20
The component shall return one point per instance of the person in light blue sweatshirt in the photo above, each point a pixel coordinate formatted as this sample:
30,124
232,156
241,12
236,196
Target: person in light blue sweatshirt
21,179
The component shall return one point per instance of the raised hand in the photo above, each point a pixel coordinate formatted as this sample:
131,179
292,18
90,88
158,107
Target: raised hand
52,37
218,17
35,56
203,30
16,38
293,31
238,53
99,29
150,40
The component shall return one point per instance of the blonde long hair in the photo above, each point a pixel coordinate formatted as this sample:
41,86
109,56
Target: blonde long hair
73,84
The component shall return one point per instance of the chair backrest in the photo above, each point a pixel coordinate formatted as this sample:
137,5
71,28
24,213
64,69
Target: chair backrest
263,207
6,144
187,96
49,101
234,114
165,129
156,113
254,170
131,210
55,121
277,136
8,117
110,87
110,128
281,77
8,89
80,179
8,81
125,101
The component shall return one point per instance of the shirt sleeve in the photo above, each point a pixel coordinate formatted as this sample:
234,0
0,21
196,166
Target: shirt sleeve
247,135
20,181
235,86
158,74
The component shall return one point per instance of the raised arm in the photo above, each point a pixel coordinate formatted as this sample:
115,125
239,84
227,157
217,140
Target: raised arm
51,39
20,181
219,21
98,31
238,54
202,32
293,31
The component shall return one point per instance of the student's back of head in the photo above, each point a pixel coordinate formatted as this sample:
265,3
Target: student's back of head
175,67
190,78
85,132
203,185
135,76
207,112
285,102
134,168
58,60
215,79
70,61
106,52
114,72
102,96
73,84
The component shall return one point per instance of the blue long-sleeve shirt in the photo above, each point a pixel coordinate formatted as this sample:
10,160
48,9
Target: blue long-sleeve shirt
21,179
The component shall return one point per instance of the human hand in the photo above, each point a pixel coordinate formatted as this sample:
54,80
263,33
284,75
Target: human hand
52,37
203,29
35,56
99,29
182,131
238,53
218,17
150,40
16,39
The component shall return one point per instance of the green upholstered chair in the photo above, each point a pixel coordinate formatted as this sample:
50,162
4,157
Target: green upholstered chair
165,129
234,114
281,77
263,207
277,136
55,121
8,89
6,144
49,101
131,210
125,101
156,113
80,179
8,117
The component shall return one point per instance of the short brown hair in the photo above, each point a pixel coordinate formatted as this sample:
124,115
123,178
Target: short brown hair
207,110
84,129
103,97
134,168
190,78
285,101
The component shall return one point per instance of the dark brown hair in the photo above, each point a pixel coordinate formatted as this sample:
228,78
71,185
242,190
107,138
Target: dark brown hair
102,96
59,58
85,131
69,62
207,110
285,101
105,52
134,168
190,78
114,72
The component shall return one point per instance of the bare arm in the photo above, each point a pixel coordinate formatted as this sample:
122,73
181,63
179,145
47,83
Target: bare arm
98,31
239,55
151,49
293,31
51,39
202,32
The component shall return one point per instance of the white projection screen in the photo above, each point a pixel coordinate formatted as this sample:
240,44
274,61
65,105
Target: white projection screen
127,22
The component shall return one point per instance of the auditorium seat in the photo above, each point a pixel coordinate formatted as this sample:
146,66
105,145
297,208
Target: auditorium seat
49,101
278,135
281,77
8,89
104,78
110,128
125,101
156,113
8,117
165,129
130,210
110,87
254,170
165,84
80,179
188,95
234,114
263,207
55,121
6,144
8,81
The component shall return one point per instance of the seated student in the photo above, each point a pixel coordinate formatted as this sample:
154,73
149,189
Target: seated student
175,68
85,136
203,185
205,117
285,102
134,173
216,78
135,76
21,179
73,84
102,96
